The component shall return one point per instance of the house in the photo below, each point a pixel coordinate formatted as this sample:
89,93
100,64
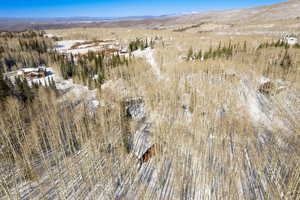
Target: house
39,72
291,40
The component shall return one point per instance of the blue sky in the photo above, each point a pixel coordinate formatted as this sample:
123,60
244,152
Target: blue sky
117,8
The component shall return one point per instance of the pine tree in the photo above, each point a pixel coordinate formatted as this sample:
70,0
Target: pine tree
190,53
245,46
5,90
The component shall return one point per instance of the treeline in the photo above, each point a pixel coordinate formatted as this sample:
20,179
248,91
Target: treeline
284,61
140,44
222,51
277,44
89,69
23,49
34,45
23,34
182,29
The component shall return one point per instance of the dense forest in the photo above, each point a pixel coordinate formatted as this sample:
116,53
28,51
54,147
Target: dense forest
31,49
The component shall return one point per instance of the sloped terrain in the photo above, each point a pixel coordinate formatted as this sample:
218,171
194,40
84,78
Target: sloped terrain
195,111
166,126
282,11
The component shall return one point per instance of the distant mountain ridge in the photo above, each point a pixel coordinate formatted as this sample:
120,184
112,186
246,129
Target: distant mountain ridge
79,18
279,11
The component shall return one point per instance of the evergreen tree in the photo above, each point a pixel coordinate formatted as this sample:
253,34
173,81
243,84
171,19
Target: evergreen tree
5,90
190,53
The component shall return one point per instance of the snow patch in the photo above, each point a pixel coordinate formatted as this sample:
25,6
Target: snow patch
264,80
65,45
84,46
148,54
50,35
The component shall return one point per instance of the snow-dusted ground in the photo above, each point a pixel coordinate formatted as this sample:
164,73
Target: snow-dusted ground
77,93
261,108
74,91
64,46
255,103
148,54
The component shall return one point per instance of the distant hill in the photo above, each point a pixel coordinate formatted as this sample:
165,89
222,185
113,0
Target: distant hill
280,11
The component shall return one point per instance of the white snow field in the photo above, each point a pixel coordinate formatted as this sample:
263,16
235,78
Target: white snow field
84,46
